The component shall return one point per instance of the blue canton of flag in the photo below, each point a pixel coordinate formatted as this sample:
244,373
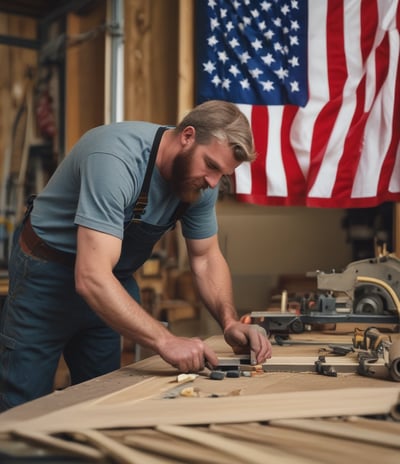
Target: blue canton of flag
252,51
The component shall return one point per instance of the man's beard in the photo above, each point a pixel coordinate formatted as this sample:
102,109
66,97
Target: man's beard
187,188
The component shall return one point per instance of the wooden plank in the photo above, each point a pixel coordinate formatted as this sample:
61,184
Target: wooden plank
75,449
311,447
241,452
175,448
185,411
307,364
117,451
348,430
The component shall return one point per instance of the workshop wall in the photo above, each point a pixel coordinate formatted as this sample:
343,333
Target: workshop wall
14,79
263,243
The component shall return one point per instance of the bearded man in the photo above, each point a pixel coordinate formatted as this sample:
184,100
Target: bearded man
72,289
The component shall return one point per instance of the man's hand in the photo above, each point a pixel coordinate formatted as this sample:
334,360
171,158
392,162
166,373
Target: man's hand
187,354
244,338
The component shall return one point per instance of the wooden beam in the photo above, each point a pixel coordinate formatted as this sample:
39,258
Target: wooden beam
186,58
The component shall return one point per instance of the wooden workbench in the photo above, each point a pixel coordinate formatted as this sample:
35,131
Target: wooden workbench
129,414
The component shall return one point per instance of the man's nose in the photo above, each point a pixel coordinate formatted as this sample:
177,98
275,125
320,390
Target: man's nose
212,179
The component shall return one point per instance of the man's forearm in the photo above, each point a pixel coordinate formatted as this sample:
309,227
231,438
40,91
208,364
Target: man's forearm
214,283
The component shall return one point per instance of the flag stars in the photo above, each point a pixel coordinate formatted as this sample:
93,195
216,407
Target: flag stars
244,57
229,26
294,25
212,41
268,59
262,26
209,67
245,84
257,45
269,34
266,6
214,23
234,42
246,21
255,73
277,22
268,86
234,70
281,73
222,56
294,61
236,4
285,9
226,83
216,80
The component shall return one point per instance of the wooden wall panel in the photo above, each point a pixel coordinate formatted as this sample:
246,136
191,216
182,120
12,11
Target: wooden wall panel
85,73
151,60
15,61
186,57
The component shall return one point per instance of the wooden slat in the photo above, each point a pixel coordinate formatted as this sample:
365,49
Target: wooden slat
175,448
342,430
184,411
241,452
117,451
75,449
312,447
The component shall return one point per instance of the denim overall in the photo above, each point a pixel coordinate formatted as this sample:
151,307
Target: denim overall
43,316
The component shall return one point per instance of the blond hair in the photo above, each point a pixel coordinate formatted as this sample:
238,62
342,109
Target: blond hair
225,122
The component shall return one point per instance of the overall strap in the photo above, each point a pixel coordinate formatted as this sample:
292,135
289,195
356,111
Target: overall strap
180,211
141,202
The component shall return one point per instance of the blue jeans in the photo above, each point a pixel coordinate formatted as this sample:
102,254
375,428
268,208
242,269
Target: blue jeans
42,318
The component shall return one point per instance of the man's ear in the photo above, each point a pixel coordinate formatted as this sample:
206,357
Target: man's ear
188,136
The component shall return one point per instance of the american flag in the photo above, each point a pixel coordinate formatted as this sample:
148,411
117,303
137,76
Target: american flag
320,84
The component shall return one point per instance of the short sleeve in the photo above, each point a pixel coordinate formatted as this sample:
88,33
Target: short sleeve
200,220
107,188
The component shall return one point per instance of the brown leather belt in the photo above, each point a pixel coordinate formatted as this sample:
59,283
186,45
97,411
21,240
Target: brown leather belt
33,245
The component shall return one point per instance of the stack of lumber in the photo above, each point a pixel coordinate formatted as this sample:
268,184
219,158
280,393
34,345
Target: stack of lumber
279,417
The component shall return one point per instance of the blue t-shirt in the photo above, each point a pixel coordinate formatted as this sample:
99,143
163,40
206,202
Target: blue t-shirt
97,184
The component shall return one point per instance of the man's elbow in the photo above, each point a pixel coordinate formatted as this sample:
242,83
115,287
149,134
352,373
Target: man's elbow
84,283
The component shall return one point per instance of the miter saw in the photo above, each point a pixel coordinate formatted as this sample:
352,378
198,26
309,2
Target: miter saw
367,291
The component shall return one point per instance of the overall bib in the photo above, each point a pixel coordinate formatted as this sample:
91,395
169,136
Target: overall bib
43,316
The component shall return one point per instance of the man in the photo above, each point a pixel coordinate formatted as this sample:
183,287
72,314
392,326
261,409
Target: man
110,200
